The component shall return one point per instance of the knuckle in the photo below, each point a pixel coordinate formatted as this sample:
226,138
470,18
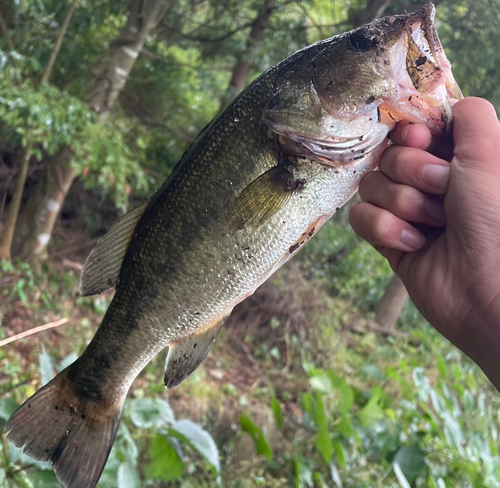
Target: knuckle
403,198
381,227
367,184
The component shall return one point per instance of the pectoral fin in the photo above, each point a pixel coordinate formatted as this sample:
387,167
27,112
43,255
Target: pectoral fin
102,268
263,197
185,355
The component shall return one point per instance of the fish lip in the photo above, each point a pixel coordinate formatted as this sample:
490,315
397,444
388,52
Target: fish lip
425,19
435,101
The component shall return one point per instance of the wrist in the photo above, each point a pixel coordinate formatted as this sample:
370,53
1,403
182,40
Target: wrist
479,337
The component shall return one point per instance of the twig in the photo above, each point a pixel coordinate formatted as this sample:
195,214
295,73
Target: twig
76,247
228,34
171,62
287,345
57,46
248,354
14,387
35,330
371,326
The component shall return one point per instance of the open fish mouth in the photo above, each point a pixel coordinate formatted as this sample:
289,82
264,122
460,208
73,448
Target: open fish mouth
425,82
403,74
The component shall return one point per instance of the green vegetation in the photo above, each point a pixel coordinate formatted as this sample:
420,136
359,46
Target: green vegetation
299,389
305,396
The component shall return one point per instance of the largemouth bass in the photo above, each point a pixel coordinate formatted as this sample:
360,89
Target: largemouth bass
259,181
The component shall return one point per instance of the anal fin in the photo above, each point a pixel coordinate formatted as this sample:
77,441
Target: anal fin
102,268
185,355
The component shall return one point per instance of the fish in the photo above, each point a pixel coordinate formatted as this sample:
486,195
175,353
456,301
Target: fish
253,188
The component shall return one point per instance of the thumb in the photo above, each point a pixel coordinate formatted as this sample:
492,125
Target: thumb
476,132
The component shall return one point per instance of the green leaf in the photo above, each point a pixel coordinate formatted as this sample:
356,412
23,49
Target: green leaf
321,383
324,445
199,439
128,477
336,380
320,480
44,479
411,460
46,366
303,472
130,450
346,399
422,383
374,371
7,408
344,427
372,412
146,413
441,365
278,414
320,412
69,359
165,465
308,404
339,452
261,445
453,432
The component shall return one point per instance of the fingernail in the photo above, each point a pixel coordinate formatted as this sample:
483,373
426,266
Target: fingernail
437,176
435,210
413,239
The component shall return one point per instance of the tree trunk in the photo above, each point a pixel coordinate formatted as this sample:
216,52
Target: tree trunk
391,304
39,215
8,234
242,66
10,224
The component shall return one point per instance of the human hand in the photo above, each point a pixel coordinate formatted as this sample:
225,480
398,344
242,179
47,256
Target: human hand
448,257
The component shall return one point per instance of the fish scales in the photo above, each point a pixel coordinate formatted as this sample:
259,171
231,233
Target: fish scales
253,188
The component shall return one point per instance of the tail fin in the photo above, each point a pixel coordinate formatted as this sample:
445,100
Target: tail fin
74,433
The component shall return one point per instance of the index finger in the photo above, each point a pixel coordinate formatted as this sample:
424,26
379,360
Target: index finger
419,136
412,135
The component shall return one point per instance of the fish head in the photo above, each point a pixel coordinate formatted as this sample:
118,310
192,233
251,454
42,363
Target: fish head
340,101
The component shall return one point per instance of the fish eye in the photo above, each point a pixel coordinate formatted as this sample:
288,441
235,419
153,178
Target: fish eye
363,39
274,101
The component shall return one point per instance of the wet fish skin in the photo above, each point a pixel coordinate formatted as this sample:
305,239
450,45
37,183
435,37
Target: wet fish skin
254,187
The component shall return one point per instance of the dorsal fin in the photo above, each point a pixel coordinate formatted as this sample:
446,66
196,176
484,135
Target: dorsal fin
100,271
186,354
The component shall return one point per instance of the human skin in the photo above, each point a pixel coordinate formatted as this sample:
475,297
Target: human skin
448,257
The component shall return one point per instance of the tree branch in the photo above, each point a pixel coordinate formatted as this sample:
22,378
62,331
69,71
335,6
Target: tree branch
170,62
57,47
8,40
225,36
35,330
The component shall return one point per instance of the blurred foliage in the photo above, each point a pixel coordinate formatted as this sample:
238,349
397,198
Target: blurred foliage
347,409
